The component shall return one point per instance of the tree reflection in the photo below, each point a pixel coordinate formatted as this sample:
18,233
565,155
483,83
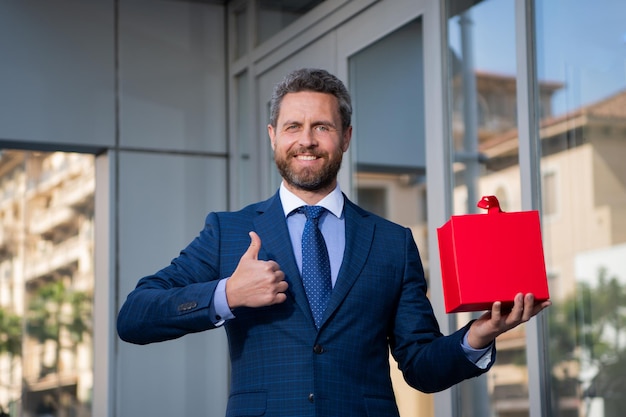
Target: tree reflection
10,333
59,318
587,344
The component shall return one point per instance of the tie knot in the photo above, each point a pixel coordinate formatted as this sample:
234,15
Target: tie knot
312,212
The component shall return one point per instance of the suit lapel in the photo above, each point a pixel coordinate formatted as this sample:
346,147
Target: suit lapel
359,236
271,227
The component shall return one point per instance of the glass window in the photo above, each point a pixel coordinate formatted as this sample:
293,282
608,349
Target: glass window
274,15
549,190
373,199
46,285
485,150
241,32
583,139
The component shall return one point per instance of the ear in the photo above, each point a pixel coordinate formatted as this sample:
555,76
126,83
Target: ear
347,135
272,134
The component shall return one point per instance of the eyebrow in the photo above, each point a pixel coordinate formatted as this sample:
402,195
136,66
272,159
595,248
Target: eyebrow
315,123
325,123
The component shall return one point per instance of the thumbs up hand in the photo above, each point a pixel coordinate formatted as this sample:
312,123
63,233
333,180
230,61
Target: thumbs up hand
255,283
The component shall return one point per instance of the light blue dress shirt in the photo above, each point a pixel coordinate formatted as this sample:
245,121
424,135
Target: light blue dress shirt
331,224
333,227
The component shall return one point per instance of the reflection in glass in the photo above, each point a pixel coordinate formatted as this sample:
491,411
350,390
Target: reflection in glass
484,133
46,283
584,202
582,105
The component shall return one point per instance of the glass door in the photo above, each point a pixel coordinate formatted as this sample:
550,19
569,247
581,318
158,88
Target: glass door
583,144
388,151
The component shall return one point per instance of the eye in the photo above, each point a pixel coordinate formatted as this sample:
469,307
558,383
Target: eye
322,128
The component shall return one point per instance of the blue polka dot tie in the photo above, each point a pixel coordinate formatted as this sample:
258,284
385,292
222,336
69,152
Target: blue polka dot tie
315,263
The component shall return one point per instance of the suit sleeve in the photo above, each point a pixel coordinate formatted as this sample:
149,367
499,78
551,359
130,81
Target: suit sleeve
175,300
429,361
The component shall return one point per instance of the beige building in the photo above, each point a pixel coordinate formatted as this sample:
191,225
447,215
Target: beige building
47,240
583,172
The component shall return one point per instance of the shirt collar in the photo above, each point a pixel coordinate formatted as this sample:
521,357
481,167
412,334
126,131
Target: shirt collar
333,202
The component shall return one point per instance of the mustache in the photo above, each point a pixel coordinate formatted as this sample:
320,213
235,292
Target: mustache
308,151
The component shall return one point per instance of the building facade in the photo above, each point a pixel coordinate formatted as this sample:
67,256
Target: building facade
47,291
150,114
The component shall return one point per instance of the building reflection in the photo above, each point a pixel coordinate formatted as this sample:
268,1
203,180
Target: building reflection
583,217
46,214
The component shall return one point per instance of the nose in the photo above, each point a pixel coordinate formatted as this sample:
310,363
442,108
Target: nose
308,138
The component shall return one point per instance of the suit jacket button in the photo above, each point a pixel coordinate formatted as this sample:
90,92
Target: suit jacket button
311,397
318,349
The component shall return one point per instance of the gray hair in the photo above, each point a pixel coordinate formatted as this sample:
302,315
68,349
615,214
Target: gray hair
316,80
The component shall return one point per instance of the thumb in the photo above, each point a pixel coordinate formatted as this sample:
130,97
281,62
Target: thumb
254,248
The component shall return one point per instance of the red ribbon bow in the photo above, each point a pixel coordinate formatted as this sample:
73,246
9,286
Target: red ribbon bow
491,203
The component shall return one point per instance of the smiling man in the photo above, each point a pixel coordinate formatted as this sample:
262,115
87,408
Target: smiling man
309,140
313,291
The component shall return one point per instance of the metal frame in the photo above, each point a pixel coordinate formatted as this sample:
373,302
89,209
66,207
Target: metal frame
530,176
438,168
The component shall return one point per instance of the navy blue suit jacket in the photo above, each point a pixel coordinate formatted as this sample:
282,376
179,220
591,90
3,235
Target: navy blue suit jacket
281,364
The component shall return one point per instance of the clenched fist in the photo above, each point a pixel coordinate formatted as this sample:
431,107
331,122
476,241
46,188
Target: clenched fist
255,283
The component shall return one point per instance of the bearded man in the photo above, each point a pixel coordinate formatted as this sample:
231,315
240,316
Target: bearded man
314,291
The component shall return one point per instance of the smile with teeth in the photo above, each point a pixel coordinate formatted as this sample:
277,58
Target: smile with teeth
306,157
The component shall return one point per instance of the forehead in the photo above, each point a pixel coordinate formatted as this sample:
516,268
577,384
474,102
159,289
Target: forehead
309,104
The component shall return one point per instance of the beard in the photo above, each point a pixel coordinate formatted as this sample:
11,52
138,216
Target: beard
309,179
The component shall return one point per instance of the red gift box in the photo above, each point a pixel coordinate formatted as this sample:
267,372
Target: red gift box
491,257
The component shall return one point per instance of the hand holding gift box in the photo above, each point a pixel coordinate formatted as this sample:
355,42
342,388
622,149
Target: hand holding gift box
492,257
493,262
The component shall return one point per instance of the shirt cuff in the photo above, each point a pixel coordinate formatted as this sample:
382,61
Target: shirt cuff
219,310
480,357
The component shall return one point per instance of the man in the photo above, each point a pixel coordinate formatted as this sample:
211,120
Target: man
250,271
